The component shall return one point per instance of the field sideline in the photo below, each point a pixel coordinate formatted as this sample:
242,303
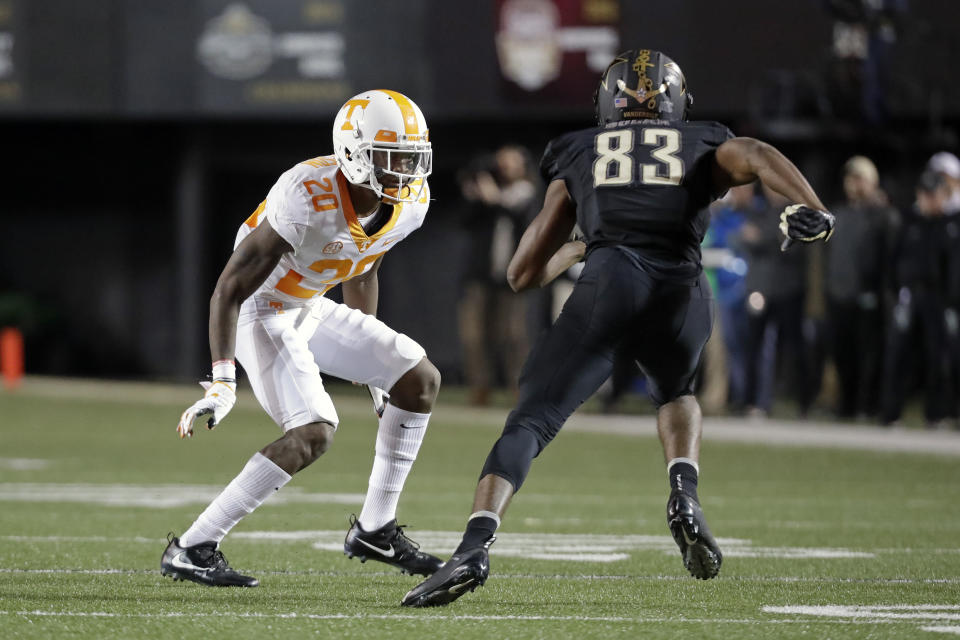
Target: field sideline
828,530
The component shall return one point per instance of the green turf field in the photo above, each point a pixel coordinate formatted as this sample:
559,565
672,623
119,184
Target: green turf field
819,542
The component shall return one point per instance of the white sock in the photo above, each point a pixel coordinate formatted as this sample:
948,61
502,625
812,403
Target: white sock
693,463
398,441
259,479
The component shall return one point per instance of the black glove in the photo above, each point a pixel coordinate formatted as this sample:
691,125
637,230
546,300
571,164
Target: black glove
801,223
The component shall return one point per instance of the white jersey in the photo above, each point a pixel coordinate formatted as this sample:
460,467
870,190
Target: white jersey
310,207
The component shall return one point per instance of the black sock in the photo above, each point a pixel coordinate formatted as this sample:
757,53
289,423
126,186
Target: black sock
478,530
683,478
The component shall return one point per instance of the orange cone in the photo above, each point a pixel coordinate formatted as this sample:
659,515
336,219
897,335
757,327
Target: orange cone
11,357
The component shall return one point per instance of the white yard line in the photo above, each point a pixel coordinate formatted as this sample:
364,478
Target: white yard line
151,496
522,576
23,464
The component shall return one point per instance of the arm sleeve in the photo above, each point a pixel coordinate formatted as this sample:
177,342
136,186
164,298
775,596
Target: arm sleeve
550,162
286,211
715,135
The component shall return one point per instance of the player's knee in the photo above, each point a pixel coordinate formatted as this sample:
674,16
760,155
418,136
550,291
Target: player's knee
429,380
309,442
512,455
417,389
541,420
681,401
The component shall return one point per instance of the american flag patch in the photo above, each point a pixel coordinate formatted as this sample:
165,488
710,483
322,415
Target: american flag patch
619,102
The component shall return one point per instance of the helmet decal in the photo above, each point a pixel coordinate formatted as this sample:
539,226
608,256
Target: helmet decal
381,142
350,106
641,84
406,108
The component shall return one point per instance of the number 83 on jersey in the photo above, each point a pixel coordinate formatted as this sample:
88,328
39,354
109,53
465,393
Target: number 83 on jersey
614,165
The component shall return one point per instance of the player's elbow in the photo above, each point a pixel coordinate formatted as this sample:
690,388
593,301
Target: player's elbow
518,278
515,282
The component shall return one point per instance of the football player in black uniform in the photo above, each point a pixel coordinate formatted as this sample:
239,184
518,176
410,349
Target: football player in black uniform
638,186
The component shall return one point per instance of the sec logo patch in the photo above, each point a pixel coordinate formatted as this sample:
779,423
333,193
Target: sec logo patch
333,247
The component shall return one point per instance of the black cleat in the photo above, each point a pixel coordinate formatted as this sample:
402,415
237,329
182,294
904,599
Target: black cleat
462,573
202,563
388,544
701,554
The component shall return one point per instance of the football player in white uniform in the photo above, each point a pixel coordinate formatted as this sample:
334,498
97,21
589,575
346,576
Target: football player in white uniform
326,221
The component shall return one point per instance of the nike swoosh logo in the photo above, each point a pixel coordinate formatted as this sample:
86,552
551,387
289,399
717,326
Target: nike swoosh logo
386,553
403,426
686,537
459,588
180,564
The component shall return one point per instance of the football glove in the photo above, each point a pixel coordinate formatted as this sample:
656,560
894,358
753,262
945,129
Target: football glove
801,223
220,396
380,398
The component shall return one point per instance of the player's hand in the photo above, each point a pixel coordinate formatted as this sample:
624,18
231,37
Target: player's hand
800,223
220,397
379,397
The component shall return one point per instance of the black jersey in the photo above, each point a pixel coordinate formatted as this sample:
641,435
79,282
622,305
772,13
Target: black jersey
643,185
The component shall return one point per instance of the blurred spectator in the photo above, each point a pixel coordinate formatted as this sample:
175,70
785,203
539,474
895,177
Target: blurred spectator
775,285
503,196
948,166
920,263
864,37
727,270
856,262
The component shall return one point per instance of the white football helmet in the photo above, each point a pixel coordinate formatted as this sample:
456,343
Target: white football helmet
381,142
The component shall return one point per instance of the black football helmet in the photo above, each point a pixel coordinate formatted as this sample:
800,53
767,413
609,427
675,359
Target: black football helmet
640,84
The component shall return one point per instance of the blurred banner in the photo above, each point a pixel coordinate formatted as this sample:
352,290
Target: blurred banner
552,51
502,58
266,57
262,55
56,57
10,93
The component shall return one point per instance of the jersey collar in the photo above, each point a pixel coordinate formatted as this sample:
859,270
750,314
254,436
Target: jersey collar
360,237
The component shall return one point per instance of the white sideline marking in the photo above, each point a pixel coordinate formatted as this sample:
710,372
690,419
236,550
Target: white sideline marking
805,433
797,553
567,547
880,613
153,496
94,572
139,539
408,616
23,464
538,546
784,433
874,612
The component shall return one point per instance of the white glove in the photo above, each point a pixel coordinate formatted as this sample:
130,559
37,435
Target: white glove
380,398
220,396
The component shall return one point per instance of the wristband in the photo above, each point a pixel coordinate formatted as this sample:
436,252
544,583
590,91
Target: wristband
225,370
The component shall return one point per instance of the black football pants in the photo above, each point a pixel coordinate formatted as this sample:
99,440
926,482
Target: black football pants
664,325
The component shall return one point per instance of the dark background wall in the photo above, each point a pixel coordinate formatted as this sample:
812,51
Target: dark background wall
128,165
